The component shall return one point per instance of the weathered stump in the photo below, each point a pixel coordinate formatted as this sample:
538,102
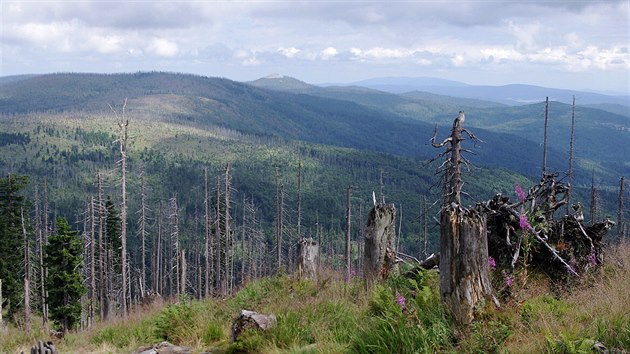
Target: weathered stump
464,280
251,320
308,251
44,348
379,257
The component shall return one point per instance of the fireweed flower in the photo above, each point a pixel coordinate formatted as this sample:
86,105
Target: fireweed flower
592,258
519,192
524,223
492,263
401,301
509,280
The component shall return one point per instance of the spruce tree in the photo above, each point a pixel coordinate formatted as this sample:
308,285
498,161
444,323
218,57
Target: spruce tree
64,283
12,202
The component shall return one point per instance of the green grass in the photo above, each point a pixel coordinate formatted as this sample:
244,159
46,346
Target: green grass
331,316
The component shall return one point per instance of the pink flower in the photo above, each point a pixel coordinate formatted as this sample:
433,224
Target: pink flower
401,301
524,223
519,192
509,280
592,258
492,263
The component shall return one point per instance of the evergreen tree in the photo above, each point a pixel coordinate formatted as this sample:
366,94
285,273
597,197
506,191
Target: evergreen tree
12,202
64,281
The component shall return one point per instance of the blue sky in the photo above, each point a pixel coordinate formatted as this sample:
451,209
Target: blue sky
554,43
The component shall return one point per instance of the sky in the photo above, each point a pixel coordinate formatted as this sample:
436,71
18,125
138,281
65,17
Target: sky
575,44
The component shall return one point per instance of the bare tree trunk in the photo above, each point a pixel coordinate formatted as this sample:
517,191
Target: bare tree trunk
544,167
278,226
1,300
183,273
218,267
380,238
157,273
299,206
27,277
464,280
40,253
594,197
45,242
123,136
92,262
143,234
101,250
570,174
620,220
347,248
206,221
425,227
228,237
175,264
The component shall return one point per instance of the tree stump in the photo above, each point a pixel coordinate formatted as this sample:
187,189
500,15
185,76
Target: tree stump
308,251
464,280
251,320
43,348
379,257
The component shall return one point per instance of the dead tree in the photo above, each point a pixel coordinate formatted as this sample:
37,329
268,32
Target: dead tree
570,173
142,230
123,137
380,238
347,248
620,210
594,198
217,237
308,256
227,280
206,221
544,166
464,280
174,244
92,293
45,242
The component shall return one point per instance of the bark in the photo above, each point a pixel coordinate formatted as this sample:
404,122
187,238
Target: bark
308,256
206,221
570,173
464,280
380,234
544,166
620,211
92,293
347,246
227,280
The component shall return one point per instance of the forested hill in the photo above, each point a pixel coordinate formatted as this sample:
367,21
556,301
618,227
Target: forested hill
345,117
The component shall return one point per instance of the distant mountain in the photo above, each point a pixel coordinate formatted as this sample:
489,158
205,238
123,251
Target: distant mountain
282,83
515,94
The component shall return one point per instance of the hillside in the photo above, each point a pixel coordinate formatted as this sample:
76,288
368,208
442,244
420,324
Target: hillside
343,136
331,316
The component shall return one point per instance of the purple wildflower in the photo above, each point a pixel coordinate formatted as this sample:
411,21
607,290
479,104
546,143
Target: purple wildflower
519,192
492,263
509,280
524,223
401,301
592,258
353,273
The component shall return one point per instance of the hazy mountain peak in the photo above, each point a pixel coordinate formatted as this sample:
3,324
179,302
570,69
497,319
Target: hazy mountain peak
281,83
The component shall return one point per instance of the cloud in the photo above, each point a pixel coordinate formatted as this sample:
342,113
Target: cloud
288,52
163,47
328,53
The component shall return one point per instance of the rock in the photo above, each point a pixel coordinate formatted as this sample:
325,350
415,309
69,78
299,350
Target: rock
164,348
251,320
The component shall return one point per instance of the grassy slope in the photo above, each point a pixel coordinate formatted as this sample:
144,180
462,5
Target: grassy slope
333,317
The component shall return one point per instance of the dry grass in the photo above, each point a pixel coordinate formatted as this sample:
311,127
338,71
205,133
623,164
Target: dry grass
597,309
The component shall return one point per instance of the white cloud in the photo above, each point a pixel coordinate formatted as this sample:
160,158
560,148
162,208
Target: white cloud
163,47
106,44
328,53
288,52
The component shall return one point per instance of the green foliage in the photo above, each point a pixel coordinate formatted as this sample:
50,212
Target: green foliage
412,325
12,206
177,322
536,307
125,335
64,282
